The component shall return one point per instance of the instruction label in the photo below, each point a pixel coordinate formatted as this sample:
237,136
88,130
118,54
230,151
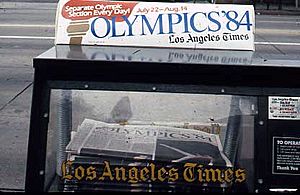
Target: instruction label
286,155
284,108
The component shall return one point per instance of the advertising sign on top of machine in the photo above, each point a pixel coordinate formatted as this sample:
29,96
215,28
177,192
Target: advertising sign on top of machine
154,24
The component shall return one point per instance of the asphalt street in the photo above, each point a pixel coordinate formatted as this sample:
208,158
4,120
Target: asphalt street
27,30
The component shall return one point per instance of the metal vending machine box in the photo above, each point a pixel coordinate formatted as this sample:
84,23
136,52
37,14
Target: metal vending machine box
112,118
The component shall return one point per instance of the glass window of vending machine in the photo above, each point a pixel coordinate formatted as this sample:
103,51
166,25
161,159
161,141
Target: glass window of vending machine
154,119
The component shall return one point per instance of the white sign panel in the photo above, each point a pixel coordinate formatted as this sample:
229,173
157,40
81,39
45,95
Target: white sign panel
154,24
284,108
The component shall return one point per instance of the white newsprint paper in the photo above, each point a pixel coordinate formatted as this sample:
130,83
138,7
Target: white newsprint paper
163,143
155,24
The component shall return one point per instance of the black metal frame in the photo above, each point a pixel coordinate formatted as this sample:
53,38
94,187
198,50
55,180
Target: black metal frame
249,80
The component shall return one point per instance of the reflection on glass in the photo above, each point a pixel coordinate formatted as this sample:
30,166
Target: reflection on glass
145,130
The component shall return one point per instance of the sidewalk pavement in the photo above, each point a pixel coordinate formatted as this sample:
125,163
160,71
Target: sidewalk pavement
261,8
26,5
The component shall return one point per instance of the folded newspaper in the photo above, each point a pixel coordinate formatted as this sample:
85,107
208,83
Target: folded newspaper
148,142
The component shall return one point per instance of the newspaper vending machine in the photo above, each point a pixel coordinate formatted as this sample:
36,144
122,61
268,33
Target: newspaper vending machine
179,107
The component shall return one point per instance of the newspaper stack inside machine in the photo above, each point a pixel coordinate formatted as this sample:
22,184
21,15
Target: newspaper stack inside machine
150,155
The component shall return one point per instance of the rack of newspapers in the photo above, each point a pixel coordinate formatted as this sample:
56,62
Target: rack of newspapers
146,157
